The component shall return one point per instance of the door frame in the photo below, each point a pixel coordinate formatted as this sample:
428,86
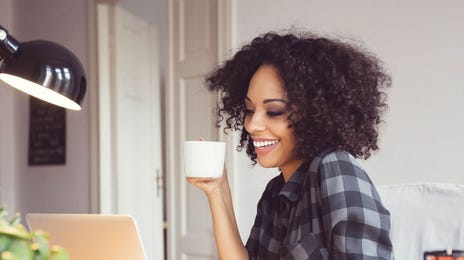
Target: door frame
104,190
104,187
224,51
92,82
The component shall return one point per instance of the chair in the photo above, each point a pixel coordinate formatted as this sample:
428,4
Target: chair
424,217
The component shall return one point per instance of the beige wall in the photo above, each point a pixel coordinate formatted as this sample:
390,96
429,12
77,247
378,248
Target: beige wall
49,188
8,179
421,43
5,12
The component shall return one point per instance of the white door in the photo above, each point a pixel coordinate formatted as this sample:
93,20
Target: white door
131,155
192,53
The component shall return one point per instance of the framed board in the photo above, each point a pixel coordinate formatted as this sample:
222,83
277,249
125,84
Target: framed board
47,133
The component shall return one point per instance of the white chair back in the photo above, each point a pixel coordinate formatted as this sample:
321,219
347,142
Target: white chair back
425,217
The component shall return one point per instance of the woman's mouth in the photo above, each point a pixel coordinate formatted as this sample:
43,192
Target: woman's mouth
264,146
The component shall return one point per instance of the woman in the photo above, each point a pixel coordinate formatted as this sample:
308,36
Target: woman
308,105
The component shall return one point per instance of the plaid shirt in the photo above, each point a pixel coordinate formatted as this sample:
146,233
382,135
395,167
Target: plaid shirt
328,209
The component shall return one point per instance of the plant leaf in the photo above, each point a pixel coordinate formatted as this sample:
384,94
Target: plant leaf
41,238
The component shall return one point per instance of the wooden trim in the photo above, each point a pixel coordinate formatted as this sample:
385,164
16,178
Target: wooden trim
170,166
224,29
92,82
106,186
225,36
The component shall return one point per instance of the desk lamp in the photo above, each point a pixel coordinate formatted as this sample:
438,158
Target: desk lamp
42,69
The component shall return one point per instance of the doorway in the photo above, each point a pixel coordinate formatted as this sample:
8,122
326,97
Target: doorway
130,123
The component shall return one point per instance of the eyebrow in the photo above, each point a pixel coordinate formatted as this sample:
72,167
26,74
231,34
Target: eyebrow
269,100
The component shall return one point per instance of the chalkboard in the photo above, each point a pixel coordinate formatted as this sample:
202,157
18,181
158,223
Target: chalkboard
47,133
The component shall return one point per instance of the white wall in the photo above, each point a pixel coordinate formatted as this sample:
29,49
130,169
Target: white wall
421,43
51,188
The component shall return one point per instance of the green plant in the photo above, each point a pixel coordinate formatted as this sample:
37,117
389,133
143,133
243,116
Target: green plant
17,243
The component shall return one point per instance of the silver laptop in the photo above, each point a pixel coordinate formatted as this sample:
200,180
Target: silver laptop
91,236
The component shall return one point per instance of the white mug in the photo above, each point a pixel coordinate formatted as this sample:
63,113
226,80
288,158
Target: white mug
204,159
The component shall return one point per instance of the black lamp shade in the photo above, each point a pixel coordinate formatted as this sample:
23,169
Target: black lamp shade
47,71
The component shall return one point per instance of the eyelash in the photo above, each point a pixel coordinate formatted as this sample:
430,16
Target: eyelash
274,113
269,113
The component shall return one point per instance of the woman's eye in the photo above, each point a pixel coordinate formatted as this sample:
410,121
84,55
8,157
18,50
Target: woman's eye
275,113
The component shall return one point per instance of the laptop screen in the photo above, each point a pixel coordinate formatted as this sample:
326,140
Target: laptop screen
91,236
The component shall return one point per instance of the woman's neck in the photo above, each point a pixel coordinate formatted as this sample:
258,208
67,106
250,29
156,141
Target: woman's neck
290,168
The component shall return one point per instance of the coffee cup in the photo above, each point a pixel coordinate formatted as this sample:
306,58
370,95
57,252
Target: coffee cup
204,159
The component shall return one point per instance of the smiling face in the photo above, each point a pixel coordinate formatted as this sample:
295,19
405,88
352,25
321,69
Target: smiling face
266,121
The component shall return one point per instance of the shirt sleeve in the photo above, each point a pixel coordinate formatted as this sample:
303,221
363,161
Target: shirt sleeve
356,224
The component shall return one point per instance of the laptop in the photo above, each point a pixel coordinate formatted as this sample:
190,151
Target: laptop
91,236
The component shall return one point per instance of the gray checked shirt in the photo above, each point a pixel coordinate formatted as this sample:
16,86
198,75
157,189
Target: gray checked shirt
328,209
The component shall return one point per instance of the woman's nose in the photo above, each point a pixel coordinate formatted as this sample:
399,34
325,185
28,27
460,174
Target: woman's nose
255,123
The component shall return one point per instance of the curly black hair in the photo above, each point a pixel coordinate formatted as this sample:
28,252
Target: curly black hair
335,91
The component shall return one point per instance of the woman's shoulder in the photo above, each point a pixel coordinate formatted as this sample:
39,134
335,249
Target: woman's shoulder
341,162
339,156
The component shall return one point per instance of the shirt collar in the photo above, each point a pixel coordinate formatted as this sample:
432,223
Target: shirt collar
291,189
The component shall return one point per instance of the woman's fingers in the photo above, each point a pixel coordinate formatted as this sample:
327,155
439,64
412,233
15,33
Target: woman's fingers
195,179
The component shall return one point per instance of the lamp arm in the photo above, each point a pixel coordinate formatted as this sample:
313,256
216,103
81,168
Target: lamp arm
8,44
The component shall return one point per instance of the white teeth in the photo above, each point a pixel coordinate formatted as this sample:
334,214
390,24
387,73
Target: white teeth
262,144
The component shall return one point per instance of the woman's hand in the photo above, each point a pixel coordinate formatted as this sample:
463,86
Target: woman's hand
228,239
210,186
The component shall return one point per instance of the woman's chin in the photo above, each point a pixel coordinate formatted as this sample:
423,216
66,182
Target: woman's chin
266,163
